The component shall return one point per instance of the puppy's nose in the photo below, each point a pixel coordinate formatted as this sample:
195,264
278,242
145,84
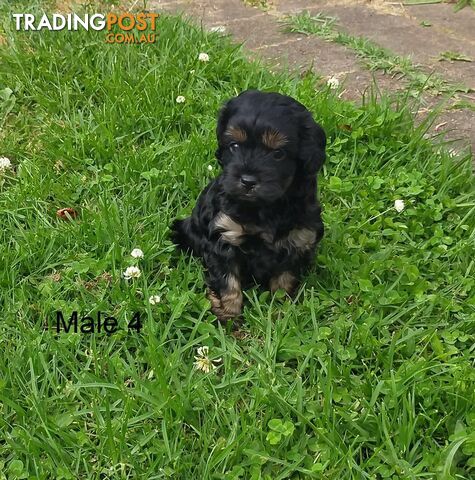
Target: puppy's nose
248,181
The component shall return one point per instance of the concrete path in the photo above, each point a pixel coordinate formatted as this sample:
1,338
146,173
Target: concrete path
422,32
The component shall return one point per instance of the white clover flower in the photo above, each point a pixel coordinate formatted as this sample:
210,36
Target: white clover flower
180,99
154,299
132,272
203,351
399,205
203,362
218,29
333,83
210,168
136,253
203,57
5,164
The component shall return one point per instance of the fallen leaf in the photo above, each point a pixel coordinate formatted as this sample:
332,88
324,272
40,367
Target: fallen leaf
66,213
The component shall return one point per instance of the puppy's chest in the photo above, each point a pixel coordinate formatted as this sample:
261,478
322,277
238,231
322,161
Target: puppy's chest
241,234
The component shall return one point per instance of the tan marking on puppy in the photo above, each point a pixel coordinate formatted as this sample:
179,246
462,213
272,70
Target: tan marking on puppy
302,238
231,300
299,238
213,297
231,231
229,305
285,280
236,134
274,139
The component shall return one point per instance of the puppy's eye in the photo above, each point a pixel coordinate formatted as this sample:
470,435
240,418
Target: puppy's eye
233,147
278,154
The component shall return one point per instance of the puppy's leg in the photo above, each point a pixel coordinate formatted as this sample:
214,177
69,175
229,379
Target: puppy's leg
285,280
224,290
299,246
228,303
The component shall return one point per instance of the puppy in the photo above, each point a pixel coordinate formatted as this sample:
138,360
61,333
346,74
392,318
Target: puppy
259,220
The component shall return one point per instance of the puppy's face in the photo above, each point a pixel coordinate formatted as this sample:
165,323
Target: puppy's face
263,138
259,162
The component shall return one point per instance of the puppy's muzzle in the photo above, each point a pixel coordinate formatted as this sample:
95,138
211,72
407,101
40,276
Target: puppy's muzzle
248,181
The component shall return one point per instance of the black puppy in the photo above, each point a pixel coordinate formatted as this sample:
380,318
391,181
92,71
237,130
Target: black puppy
259,220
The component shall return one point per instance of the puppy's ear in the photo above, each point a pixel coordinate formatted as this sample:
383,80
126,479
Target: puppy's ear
223,118
312,144
229,109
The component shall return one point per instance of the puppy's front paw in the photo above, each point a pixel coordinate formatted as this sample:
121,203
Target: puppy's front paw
226,307
285,281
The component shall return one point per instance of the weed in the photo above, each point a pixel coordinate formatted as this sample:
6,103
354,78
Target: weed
374,56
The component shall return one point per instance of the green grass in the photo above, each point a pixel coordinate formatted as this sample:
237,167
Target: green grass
367,374
261,4
374,56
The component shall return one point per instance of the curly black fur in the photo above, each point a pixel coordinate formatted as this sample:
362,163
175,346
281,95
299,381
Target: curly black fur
259,220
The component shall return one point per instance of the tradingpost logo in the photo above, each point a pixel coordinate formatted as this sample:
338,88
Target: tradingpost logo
128,27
